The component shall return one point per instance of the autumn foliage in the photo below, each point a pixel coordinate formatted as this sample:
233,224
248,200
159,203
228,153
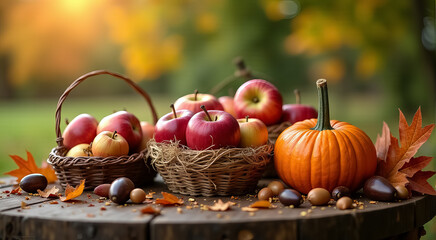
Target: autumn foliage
396,159
27,167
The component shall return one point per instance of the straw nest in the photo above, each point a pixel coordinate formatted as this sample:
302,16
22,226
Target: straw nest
225,171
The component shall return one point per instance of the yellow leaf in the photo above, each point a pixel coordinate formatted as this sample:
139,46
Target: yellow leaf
71,192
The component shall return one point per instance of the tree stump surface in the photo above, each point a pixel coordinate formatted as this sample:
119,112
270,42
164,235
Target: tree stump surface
91,217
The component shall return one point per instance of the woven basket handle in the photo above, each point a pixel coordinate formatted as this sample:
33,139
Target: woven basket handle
82,78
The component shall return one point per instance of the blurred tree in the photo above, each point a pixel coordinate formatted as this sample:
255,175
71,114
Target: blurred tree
47,39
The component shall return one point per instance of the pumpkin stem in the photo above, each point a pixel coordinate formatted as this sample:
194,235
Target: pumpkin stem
323,122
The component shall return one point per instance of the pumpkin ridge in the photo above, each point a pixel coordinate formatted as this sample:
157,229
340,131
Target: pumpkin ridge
360,156
295,163
315,157
334,161
285,166
345,175
370,167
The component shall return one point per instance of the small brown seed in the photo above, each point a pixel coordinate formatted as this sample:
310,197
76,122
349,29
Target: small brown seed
265,194
402,192
276,187
318,196
344,203
137,195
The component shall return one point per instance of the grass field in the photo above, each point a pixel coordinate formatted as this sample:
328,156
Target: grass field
29,124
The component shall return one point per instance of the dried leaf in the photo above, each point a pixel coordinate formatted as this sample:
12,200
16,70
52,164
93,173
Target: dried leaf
16,190
415,164
249,209
411,138
150,210
261,204
28,167
383,142
169,199
49,192
71,192
418,182
221,206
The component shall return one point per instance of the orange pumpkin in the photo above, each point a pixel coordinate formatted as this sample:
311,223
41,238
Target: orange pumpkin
323,153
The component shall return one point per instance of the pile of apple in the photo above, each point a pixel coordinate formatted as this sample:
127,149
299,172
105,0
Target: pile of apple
202,121
117,134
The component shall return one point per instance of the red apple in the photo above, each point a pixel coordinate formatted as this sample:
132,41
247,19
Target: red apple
259,99
228,104
108,144
254,132
126,124
147,134
172,126
80,150
192,102
82,129
298,112
212,129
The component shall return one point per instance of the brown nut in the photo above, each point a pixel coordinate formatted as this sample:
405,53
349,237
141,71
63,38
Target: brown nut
344,203
265,194
402,192
318,196
276,187
137,195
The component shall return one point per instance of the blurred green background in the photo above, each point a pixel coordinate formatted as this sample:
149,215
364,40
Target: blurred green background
377,55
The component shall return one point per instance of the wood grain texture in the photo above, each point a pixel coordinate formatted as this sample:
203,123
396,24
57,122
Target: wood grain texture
90,217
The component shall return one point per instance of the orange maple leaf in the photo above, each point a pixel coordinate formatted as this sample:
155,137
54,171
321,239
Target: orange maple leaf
28,167
261,204
394,159
169,199
71,192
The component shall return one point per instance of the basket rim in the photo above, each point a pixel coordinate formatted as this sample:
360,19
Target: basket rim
56,159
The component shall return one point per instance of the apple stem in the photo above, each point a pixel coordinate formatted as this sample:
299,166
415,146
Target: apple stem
216,118
66,121
246,118
195,94
242,70
297,96
113,135
174,110
207,114
255,100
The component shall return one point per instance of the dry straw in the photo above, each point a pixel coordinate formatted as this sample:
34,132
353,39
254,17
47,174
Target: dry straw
225,171
99,170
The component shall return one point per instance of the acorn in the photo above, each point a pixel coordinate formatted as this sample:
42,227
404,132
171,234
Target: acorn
378,188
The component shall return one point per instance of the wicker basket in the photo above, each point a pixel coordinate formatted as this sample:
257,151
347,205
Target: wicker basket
223,172
99,170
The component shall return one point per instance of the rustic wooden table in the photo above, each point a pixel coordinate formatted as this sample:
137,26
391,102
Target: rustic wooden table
89,217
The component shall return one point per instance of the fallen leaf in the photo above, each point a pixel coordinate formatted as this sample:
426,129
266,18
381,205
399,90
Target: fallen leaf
169,199
415,165
418,182
261,204
28,167
71,192
16,191
150,210
49,192
398,154
221,206
249,209
24,205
